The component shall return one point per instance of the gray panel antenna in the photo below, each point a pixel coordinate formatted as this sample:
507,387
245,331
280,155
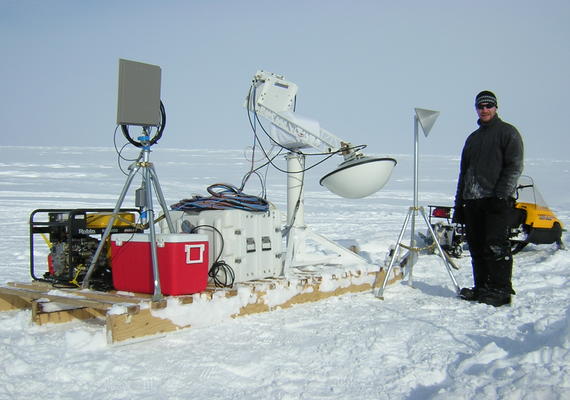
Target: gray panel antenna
139,94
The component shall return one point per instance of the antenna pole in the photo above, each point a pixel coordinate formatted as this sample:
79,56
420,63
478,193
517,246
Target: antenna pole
425,118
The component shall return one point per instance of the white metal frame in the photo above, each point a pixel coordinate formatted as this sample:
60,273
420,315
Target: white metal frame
275,102
298,232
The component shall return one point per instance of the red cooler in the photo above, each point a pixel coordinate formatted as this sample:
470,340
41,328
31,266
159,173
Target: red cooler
182,263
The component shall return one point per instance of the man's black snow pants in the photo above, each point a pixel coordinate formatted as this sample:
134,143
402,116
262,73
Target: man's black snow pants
487,229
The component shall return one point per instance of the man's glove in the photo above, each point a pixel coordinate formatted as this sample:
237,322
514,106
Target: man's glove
500,205
458,216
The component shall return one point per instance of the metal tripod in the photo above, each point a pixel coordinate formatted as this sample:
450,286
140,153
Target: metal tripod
426,118
414,251
149,181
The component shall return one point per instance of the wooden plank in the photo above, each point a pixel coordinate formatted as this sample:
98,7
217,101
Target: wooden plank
126,327
122,327
137,321
316,294
29,294
10,302
91,294
40,316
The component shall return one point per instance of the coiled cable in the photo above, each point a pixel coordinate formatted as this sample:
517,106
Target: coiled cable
223,197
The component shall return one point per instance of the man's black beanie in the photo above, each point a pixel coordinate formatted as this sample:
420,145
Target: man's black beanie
486,97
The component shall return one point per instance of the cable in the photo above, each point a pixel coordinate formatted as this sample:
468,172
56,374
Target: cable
246,177
120,153
219,266
229,197
253,170
254,129
254,111
155,138
297,206
256,119
255,122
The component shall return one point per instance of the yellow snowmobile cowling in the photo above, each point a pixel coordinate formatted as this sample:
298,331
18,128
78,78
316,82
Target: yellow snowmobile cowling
539,225
537,216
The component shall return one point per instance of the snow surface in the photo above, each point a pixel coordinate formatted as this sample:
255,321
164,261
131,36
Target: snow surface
419,343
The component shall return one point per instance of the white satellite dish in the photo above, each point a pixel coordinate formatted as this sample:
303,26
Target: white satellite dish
358,178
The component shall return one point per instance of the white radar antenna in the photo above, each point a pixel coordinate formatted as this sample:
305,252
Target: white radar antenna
273,98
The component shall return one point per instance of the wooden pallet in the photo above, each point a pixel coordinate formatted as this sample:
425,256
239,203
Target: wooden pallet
128,316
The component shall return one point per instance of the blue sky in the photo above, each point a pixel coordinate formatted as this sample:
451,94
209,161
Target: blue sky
361,67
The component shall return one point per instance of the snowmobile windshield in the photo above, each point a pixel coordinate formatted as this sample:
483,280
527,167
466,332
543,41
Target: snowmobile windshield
527,192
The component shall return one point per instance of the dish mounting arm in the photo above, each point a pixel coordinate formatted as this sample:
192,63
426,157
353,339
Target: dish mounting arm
273,98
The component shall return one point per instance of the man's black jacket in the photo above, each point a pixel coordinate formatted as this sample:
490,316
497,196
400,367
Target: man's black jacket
491,162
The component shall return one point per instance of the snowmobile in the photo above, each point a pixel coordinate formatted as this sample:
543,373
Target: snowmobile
537,223
532,221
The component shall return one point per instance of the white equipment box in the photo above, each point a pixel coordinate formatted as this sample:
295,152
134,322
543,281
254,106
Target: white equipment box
251,242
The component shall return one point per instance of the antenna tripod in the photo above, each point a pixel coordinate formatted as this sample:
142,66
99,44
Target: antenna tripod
144,201
426,118
414,251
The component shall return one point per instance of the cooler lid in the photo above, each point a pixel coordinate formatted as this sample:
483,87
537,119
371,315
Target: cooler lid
160,237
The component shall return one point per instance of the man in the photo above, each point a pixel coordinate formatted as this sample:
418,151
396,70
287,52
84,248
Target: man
491,163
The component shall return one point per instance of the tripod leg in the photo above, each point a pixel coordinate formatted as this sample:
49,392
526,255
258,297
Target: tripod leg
153,250
441,253
413,251
380,292
160,197
134,169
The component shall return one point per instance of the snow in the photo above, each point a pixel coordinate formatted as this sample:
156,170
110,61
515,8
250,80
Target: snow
420,342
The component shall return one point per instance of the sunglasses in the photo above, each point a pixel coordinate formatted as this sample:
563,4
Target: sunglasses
487,105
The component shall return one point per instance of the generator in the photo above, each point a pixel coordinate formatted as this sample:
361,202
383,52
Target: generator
244,245
72,236
449,235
